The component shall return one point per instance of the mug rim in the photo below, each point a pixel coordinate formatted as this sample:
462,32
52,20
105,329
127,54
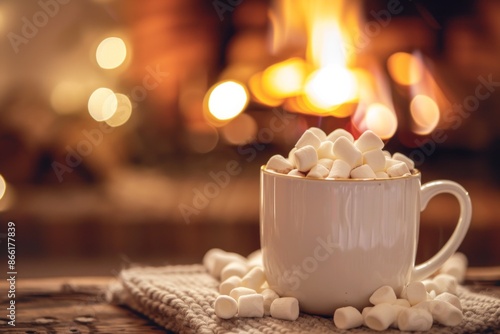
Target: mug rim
416,174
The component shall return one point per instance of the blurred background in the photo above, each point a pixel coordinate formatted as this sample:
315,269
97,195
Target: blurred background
133,131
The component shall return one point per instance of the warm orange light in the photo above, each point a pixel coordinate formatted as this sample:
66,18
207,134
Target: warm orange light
122,113
405,68
258,92
240,130
284,79
425,114
227,99
102,104
111,52
381,120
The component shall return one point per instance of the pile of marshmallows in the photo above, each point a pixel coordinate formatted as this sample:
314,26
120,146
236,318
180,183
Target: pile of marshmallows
338,155
244,292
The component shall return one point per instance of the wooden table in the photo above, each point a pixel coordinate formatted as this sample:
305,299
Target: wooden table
78,305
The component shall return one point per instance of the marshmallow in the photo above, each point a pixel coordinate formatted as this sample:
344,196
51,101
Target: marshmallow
398,169
318,132
368,141
209,258
340,169
328,163
296,172
229,284
220,260
381,175
455,266
402,302
286,308
446,283
415,292
398,309
254,278
337,133
390,162
363,172
365,312
381,316
414,319
449,298
375,159
251,305
387,154
444,313
347,317
305,158
384,294
269,296
254,259
233,269
308,138
225,307
345,150
279,164
405,159
290,157
430,285
318,172
431,295
236,293
325,150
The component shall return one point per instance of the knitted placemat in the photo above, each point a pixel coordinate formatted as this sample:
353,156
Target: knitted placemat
181,299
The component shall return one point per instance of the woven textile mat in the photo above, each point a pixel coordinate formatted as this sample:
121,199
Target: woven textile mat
181,299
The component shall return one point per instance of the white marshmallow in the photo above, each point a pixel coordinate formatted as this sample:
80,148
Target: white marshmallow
318,172
414,319
455,266
269,296
220,260
345,150
279,164
340,169
402,302
431,295
380,317
325,150
256,254
251,306
398,309
308,138
381,175
337,133
296,172
254,278
286,308
387,154
365,312
236,293
415,292
430,285
347,317
369,141
233,269
384,294
444,313
291,158
446,283
449,298
401,157
375,159
328,163
209,258
390,162
305,158
225,307
229,284
398,169
318,132
363,172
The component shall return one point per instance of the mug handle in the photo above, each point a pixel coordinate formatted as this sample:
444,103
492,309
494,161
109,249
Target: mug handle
428,191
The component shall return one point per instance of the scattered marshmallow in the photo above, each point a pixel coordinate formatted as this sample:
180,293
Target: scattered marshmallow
325,150
225,307
384,294
450,298
229,284
401,157
455,266
443,312
254,278
279,164
220,260
328,163
364,312
430,285
345,150
375,159
318,172
233,269
402,302
415,292
380,317
318,132
398,169
415,319
296,172
368,141
340,169
305,158
236,293
269,296
209,258
254,259
347,317
308,138
286,308
446,283
337,133
251,305
363,172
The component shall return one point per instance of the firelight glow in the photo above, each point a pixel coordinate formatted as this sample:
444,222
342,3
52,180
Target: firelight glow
425,114
405,68
3,186
284,79
111,53
102,104
227,100
381,120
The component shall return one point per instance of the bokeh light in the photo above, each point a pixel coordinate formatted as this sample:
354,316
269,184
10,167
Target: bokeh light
284,79
202,137
3,186
68,97
102,104
111,53
240,130
405,68
122,113
425,114
381,120
227,99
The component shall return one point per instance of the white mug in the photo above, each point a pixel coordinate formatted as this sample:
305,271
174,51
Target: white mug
332,243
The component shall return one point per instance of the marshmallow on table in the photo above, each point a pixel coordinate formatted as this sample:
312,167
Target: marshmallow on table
455,266
254,259
364,312
328,163
251,305
236,293
305,158
414,319
363,172
279,163
405,159
340,169
229,284
220,260
269,296
254,278
209,258
337,133
325,150
375,159
347,317
381,316
225,307
384,294
368,141
345,150
402,302
397,309
446,283
318,172
286,308
296,172
415,292
308,138
443,312
449,298
381,175
398,169
233,269
318,132
430,285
